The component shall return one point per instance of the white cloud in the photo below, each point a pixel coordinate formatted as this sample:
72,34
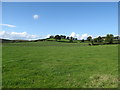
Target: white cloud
35,16
73,34
8,25
20,35
48,36
26,36
84,36
16,35
78,36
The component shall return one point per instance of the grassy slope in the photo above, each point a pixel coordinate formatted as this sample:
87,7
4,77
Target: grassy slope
47,64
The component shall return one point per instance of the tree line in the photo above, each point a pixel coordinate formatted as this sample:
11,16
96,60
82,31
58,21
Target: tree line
59,37
108,39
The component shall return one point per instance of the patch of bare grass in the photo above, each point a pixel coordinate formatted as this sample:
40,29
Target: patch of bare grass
103,81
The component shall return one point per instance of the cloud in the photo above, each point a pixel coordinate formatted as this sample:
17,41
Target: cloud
8,25
16,35
35,16
73,34
48,36
84,36
21,35
26,36
78,36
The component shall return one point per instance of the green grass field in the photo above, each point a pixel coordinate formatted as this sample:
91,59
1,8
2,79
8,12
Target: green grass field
59,65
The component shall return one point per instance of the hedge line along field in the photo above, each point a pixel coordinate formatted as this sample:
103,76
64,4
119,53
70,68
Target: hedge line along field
59,65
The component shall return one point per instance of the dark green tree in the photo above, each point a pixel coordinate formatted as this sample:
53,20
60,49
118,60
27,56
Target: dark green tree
82,40
75,38
57,37
95,40
67,38
62,36
51,36
89,38
100,40
109,38
71,39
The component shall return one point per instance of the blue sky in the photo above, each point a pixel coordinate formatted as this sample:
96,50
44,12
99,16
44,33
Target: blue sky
77,19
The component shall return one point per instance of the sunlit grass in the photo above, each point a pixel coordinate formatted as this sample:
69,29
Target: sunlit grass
59,65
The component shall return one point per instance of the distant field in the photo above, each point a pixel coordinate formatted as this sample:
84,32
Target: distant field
59,65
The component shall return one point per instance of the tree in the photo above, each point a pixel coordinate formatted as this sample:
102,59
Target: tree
51,36
92,42
71,38
63,36
95,40
67,38
75,38
100,39
57,37
117,37
109,38
89,38
82,40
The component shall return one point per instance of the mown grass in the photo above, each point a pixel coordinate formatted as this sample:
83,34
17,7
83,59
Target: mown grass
59,65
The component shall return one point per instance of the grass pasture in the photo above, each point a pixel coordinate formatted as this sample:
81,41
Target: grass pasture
59,65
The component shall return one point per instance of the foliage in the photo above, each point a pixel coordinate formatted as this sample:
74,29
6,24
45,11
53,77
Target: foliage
82,40
57,37
109,38
51,36
89,38
71,40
